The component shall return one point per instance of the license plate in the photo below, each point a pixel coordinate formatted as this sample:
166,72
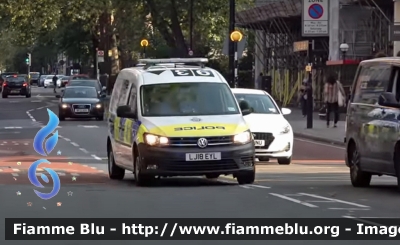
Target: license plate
81,110
259,142
209,156
15,91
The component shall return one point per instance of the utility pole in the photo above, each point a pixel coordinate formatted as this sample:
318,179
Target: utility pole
231,52
310,99
28,62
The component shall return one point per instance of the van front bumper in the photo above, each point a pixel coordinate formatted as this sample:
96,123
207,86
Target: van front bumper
171,161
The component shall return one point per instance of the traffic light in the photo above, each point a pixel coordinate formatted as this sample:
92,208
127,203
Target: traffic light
28,59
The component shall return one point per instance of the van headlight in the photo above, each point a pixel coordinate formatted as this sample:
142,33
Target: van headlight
285,129
64,106
152,139
242,138
98,106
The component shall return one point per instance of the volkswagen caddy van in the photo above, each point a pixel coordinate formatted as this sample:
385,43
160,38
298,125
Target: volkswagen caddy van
176,117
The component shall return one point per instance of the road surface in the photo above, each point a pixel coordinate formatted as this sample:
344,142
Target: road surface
315,185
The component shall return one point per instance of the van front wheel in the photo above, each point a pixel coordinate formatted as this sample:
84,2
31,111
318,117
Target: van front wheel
246,177
140,178
358,177
114,171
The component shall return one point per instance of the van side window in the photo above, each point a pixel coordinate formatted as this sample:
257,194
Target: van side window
116,94
124,93
132,99
371,82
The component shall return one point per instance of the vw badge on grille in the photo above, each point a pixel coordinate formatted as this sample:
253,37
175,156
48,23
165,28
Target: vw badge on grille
202,142
195,119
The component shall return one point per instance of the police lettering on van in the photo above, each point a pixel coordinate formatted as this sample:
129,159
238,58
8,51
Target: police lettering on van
200,128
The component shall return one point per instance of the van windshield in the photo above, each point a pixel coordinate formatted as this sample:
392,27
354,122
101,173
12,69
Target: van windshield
187,99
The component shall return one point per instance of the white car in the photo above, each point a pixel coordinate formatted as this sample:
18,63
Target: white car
273,135
48,82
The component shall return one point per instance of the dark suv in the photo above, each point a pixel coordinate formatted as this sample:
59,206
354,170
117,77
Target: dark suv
3,77
16,85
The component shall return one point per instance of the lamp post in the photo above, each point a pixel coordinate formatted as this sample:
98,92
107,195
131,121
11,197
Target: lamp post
144,43
236,36
344,47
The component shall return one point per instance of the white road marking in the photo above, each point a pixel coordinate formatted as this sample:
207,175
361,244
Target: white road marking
245,186
84,150
96,157
88,126
365,209
335,200
66,139
74,144
260,186
363,220
12,127
25,143
74,174
14,174
61,173
318,143
93,167
294,200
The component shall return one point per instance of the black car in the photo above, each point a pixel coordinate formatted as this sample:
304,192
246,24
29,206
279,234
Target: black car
3,77
16,85
80,102
87,83
34,76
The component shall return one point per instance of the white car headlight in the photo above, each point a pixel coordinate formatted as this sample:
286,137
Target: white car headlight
152,139
242,138
98,106
64,106
285,129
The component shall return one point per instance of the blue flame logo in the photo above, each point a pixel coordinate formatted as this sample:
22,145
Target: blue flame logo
44,148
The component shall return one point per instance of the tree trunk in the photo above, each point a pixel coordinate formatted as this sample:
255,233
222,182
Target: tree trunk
181,47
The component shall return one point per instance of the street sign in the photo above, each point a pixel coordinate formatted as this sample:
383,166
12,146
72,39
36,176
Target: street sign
315,18
100,55
301,46
190,53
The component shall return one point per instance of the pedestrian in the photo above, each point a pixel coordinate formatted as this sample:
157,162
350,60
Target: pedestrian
302,97
55,78
334,96
259,81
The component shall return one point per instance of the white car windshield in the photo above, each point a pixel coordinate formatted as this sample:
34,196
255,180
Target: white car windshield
259,103
187,99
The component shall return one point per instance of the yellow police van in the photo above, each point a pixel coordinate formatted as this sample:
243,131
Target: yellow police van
176,117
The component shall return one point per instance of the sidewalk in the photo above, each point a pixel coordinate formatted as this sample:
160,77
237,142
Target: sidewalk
319,132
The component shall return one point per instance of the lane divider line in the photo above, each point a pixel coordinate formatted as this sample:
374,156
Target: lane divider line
84,150
335,200
294,200
96,157
74,144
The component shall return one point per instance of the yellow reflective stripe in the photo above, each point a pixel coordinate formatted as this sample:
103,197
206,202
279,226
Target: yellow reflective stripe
116,128
142,129
128,132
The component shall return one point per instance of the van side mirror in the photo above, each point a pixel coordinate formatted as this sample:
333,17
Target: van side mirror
388,99
246,112
126,112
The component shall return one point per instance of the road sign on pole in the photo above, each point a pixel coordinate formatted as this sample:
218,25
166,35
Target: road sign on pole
100,55
315,18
